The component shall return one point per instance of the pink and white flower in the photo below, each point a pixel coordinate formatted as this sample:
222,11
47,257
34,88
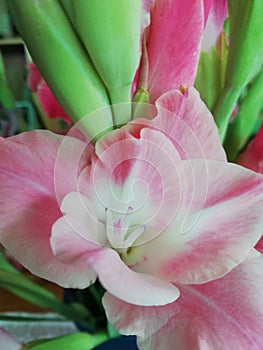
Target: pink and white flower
143,210
154,206
153,210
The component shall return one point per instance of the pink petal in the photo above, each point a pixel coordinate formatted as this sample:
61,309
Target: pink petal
215,15
49,103
7,342
252,157
129,286
187,122
259,245
70,248
172,46
224,314
219,221
147,5
34,77
79,217
30,202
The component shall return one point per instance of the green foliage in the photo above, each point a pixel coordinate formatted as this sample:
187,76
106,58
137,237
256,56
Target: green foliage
110,32
76,341
18,284
245,56
50,38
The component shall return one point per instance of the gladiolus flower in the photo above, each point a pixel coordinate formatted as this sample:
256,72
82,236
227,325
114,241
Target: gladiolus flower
143,210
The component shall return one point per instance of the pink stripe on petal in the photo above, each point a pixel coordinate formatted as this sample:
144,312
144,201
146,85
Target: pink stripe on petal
224,314
219,221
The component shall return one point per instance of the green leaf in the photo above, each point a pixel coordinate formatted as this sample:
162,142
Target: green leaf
76,341
240,130
6,97
245,57
18,284
246,41
209,77
113,333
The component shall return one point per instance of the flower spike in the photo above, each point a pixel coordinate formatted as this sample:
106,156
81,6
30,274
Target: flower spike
110,31
50,38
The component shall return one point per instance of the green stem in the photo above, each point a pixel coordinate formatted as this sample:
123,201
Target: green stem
240,130
120,98
225,107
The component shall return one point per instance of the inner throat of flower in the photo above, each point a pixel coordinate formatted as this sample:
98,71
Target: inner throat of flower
120,235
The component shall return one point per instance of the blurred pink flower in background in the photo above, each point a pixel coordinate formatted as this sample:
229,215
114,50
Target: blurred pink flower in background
46,98
252,158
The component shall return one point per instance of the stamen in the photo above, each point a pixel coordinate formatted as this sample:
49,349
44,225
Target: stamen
133,236
116,232
126,219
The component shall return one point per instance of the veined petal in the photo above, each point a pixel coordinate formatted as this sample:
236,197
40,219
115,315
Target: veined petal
132,287
186,121
80,215
219,221
136,173
72,249
172,19
29,203
224,314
